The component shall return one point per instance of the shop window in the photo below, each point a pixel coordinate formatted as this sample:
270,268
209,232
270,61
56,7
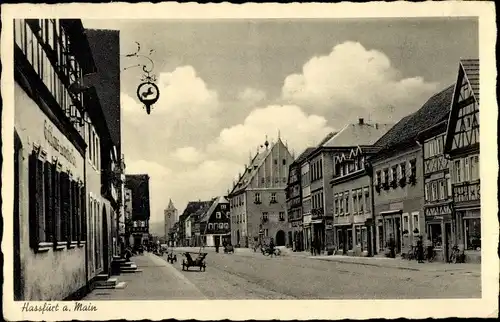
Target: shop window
349,239
364,239
472,233
435,235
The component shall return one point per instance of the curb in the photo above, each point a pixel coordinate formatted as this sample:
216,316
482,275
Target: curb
366,264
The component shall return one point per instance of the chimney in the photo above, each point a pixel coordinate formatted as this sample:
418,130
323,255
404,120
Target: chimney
361,121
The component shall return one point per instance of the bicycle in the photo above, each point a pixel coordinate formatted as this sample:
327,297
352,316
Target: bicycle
457,256
430,256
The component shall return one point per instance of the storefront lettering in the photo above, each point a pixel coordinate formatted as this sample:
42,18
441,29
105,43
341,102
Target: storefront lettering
66,152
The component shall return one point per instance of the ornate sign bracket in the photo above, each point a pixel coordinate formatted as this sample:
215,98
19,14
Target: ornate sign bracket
148,92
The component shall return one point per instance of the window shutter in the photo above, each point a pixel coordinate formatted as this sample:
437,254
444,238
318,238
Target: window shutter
57,204
49,203
34,214
64,207
83,217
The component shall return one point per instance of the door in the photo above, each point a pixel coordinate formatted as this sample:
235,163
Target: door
216,241
290,239
397,233
105,240
18,281
280,238
447,241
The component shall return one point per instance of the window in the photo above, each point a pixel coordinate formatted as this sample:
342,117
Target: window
394,174
448,182
210,226
378,177
275,161
262,180
218,215
472,233
273,197
354,202
435,235
336,204
265,216
341,202
457,171
441,189
386,176
474,167
416,224
221,225
402,167
406,223
257,197
360,201
36,198
222,206
282,216
466,169
358,236
284,161
266,232
427,191
347,202
226,225
413,168
434,193
367,199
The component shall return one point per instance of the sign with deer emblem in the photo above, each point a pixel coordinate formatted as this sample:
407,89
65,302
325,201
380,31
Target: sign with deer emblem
148,93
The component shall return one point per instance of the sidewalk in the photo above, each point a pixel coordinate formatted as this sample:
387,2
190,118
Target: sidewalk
157,281
396,263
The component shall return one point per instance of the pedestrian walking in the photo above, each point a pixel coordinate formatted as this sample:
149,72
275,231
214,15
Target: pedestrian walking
313,247
318,247
216,247
271,247
420,250
392,246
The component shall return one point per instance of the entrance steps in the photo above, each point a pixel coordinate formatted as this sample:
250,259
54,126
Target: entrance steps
129,267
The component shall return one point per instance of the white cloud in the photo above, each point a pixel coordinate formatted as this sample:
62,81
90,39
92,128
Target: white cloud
251,96
297,128
188,155
352,82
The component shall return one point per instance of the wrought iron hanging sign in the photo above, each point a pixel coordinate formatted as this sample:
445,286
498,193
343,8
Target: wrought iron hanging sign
148,92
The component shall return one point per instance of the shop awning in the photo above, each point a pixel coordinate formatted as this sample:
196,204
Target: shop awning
390,212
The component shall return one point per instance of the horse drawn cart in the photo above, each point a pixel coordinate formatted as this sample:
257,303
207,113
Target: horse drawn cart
197,262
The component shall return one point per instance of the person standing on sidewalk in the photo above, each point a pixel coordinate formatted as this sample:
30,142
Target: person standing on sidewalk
392,246
420,250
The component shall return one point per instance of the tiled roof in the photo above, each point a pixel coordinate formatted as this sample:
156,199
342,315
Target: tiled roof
471,69
215,202
358,134
304,155
193,207
327,138
434,111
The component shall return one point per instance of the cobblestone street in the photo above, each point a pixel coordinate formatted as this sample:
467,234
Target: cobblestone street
249,275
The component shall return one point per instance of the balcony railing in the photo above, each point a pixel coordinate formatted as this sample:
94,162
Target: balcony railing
317,212
467,191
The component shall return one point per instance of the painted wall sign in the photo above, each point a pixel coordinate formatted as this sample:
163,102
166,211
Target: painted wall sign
66,152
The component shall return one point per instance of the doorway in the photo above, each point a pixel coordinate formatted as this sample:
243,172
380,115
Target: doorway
105,240
280,238
18,280
216,241
397,234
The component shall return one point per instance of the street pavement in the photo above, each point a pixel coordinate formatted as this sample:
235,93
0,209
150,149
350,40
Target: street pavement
251,275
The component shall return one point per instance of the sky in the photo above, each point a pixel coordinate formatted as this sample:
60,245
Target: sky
226,84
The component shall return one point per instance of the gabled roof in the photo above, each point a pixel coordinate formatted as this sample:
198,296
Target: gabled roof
192,207
434,111
253,168
213,206
471,69
468,69
358,134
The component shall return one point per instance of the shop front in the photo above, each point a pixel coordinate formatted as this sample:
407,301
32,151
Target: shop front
468,227
389,228
307,226
440,231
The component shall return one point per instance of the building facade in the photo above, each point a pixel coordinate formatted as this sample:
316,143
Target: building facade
215,223
258,201
294,201
398,177
139,185
50,223
437,191
462,148
352,203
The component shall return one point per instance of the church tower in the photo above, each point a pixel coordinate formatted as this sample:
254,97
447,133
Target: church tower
171,217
